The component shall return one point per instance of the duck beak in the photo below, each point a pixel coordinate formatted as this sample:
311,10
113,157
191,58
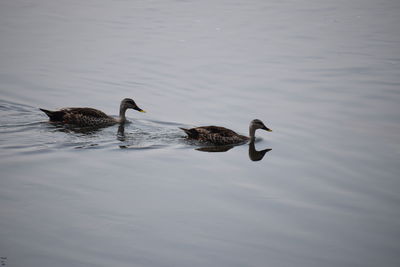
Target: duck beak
267,129
139,109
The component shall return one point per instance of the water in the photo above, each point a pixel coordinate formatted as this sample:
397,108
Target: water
323,75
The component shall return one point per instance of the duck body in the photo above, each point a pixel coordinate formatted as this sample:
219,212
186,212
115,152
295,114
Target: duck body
222,136
90,117
215,135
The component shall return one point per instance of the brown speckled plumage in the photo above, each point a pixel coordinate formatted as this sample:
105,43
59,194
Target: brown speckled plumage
90,117
215,135
222,136
87,117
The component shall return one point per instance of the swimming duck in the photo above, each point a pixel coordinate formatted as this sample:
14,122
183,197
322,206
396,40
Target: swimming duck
223,136
90,117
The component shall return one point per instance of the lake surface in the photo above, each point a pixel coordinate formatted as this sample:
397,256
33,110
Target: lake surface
323,75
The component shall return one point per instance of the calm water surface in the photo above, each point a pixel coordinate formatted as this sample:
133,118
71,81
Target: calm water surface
324,75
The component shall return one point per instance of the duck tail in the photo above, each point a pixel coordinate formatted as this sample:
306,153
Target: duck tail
192,133
53,115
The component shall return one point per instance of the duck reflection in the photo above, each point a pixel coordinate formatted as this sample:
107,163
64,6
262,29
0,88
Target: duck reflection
121,132
66,128
215,148
254,154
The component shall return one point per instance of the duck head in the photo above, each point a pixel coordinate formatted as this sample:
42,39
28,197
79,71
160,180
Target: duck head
254,125
129,103
257,124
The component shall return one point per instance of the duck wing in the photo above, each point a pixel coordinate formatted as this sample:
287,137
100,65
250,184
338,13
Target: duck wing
216,130
88,117
87,112
199,132
60,115
220,135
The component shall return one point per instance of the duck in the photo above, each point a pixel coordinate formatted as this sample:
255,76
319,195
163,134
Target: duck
222,136
90,117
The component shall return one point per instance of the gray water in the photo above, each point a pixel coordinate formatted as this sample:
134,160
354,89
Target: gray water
324,75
